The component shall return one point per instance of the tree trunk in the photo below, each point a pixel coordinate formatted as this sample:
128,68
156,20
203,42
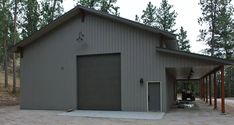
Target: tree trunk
14,69
5,56
53,9
5,59
5,43
213,27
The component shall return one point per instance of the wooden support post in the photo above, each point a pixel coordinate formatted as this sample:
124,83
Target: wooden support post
175,90
202,80
210,97
206,89
222,91
201,89
204,86
215,91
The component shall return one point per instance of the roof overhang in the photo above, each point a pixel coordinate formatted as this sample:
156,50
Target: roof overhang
196,71
196,56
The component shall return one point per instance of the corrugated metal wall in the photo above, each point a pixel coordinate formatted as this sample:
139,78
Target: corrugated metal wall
53,69
49,66
138,56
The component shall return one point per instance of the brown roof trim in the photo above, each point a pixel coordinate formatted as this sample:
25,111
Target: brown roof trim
197,56
75,11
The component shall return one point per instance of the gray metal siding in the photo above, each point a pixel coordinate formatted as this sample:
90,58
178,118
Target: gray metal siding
49,65
170,60
138,56
53,71
46,75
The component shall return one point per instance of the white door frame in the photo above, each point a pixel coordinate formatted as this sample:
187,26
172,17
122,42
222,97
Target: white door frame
147,94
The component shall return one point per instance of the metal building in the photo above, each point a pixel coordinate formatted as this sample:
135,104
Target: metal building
86,59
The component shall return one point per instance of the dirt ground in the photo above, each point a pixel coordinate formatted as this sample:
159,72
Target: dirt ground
203,115
10,79
6,96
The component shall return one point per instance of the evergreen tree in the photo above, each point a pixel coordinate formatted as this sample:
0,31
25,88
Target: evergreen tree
229,81
51,9
106,6
225,30
15,39
166,17
208,21
183,42
148,17
217,32
31,16
88,3
6,29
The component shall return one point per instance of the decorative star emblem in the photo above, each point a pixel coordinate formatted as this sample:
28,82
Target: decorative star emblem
80,37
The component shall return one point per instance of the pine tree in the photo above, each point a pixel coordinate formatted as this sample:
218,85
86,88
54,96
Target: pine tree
209,16
148,17
31,16
225,30
166,17
14,42
5,34
217,32
218,28
88,3
108,6
51,9
229,81
183,43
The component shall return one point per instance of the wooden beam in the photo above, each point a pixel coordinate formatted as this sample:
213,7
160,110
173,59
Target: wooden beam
222,91
187,79
215,70
21,52
210,97
215,91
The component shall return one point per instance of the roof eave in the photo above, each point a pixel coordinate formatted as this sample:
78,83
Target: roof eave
198,56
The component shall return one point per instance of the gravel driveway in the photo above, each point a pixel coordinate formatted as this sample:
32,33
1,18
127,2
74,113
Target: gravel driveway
205,115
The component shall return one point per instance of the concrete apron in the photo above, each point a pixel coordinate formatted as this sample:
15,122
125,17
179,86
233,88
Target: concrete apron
115,114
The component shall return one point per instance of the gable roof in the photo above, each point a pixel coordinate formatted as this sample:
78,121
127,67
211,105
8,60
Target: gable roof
196,56
78,10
